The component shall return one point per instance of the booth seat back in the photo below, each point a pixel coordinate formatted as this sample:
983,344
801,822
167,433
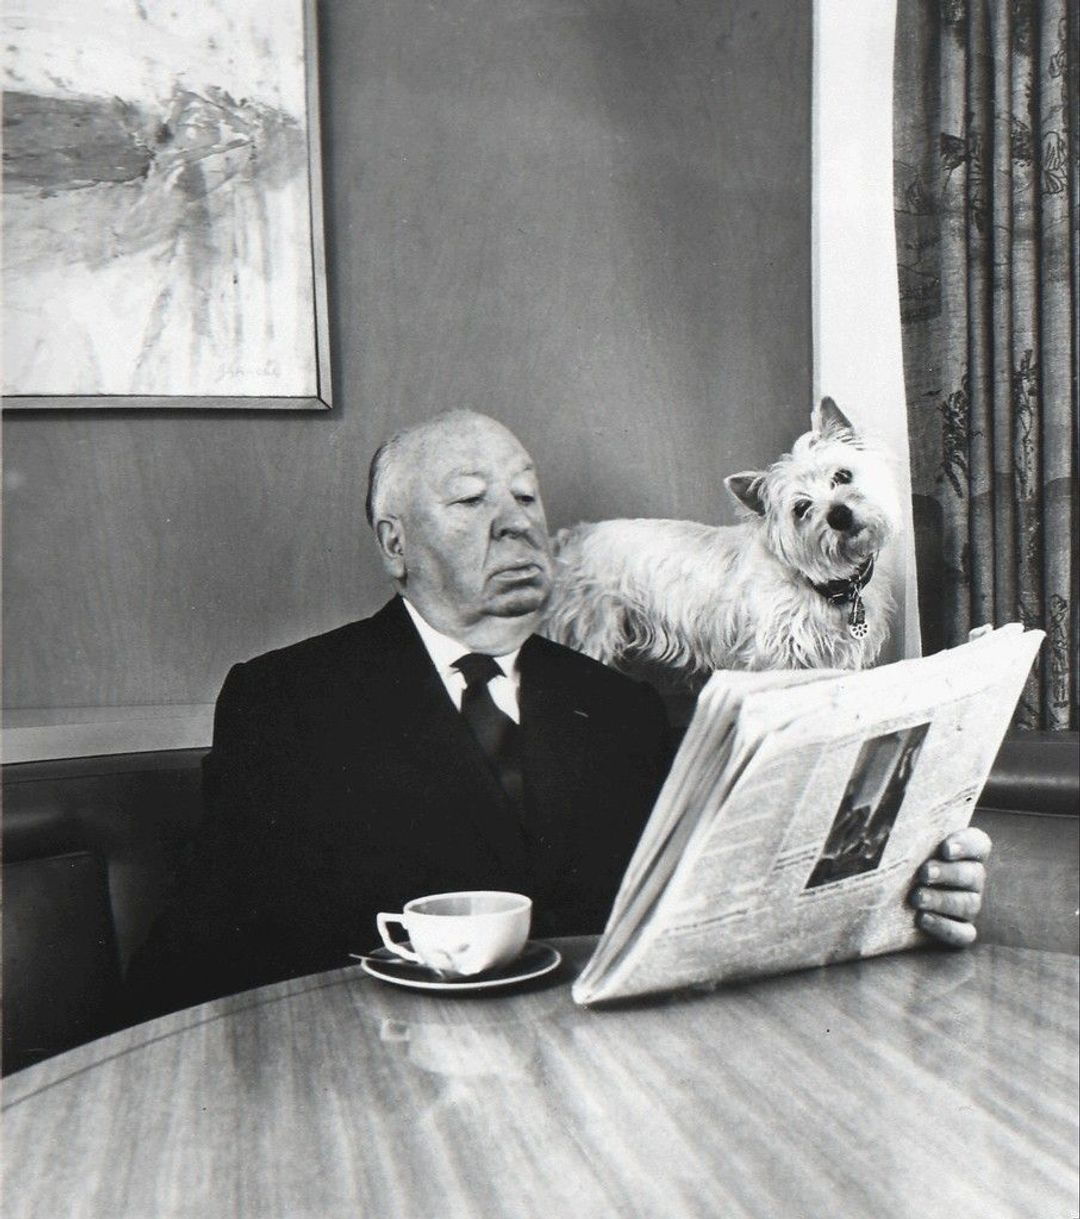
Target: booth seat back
61,969
1030,807
90,850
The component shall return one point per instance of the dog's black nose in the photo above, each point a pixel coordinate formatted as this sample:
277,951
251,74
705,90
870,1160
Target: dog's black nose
840,517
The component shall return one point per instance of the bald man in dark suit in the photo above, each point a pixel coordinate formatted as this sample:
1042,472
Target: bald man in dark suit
344,778
439,745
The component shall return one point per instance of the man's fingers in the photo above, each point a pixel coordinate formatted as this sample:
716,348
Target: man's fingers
970,843
953,903
967,874
950,893
947,930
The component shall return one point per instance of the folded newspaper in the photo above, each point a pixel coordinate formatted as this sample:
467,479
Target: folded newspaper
797,811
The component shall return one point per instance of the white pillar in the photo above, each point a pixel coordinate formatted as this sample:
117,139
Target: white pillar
857,354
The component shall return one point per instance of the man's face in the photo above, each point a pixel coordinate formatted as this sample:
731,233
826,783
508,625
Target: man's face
474,539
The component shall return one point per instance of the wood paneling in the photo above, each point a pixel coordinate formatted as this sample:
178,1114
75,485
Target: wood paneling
589,218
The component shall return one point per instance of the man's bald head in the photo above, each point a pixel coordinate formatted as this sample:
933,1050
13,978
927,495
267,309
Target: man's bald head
397,458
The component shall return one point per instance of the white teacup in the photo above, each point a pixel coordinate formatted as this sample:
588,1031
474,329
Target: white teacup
461,934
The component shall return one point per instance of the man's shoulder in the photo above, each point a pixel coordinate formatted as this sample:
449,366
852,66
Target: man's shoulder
324,655
555,663
540,650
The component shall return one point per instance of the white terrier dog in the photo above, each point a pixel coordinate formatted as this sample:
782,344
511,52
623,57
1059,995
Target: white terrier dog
789,587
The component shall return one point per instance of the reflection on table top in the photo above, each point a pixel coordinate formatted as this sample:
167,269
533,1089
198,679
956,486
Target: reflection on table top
922,1084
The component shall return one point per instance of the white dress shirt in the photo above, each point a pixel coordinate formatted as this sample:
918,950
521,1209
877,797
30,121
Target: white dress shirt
444,651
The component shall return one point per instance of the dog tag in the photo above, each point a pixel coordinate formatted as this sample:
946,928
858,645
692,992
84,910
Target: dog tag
856,623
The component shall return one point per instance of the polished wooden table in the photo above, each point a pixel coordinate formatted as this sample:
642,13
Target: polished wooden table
924,1084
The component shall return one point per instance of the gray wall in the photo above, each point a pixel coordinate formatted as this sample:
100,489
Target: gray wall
590,218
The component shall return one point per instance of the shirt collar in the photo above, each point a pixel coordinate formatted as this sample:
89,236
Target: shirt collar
444,651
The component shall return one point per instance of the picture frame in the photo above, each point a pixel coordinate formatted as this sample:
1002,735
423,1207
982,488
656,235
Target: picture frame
164,234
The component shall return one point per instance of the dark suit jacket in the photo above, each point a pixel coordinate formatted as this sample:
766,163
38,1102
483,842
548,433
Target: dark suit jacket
342,781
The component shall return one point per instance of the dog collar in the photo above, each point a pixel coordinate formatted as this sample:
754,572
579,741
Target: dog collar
836,592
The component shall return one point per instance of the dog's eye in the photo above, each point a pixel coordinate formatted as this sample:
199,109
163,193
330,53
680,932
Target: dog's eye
801,508
840,477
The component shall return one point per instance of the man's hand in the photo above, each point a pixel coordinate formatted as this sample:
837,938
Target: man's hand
949,893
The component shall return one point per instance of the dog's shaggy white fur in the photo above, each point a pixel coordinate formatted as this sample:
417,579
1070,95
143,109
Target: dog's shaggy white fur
780,590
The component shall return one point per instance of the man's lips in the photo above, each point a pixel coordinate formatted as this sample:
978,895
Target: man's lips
524,570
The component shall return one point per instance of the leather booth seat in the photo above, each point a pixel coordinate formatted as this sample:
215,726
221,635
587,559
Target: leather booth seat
61,969
91,847
1030,807
1035,772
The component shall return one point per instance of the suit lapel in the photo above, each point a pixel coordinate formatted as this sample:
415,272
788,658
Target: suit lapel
432,758
555,734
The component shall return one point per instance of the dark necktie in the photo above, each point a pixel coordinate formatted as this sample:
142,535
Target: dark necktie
495,731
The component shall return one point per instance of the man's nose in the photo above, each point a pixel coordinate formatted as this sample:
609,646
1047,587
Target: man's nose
511,518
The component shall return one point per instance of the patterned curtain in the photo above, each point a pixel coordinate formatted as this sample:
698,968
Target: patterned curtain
987,147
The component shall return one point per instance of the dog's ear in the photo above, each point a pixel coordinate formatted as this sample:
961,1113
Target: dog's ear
833,418
746,487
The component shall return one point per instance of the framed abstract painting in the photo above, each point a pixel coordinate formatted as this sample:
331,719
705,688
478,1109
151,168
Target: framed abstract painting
162,210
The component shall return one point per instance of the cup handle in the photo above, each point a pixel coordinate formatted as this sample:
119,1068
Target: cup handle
382,921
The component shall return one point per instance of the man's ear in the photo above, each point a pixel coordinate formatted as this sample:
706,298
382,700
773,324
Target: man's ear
833,418
746,487
390,538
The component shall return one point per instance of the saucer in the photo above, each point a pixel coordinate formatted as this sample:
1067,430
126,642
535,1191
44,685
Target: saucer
536,959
